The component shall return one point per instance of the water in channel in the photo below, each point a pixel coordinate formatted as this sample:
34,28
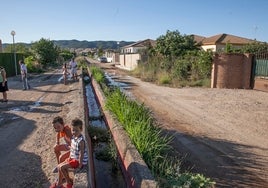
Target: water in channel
104,174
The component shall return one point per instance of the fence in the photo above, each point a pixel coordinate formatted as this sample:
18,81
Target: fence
8,62
260,71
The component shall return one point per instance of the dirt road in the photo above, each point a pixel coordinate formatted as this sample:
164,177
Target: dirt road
222,132
26,135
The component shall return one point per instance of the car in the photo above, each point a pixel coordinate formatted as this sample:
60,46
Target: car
103,59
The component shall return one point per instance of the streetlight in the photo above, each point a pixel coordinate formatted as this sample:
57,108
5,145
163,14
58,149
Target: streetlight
118,46
13,33
118,56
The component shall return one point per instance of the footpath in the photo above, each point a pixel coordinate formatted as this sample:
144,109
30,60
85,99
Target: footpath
26,135
26,118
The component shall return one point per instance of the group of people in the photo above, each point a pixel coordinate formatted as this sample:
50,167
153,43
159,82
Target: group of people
70,153
24,77
3,80
73,69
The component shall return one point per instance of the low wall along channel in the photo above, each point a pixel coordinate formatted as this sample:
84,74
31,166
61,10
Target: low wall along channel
127,169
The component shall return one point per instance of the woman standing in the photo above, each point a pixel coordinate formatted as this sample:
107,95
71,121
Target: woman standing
3,84
24,73
73,66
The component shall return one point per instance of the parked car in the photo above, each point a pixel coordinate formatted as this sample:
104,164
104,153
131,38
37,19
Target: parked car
103,59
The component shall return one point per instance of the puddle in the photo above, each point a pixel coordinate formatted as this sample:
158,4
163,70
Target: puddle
124,87
111,78
20,107
69,77
27,107
36,104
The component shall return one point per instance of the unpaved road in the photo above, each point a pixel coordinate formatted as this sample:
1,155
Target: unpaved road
26,133
222,133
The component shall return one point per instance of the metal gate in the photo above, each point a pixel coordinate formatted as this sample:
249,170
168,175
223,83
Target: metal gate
260,71
261,65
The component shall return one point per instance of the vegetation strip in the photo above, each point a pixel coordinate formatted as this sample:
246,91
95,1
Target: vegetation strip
148,139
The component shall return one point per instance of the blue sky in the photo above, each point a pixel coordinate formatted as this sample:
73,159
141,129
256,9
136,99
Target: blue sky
130,20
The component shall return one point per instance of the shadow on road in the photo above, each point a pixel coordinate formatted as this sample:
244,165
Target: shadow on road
29,106
237,168
19,167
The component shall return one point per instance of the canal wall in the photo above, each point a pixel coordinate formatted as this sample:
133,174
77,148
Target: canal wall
84,178
135,170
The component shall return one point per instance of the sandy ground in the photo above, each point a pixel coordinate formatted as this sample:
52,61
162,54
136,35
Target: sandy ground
222,132
26,133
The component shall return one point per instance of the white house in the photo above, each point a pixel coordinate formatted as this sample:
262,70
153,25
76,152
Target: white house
130,56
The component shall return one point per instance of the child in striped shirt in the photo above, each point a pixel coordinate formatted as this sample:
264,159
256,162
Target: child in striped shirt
78,155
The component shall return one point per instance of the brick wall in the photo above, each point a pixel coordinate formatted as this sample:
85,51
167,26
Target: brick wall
231,71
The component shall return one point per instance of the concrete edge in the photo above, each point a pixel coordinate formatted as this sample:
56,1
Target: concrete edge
135,170
84,178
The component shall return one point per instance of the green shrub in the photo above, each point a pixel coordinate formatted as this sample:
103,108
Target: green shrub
32,65
164,78
151,144
154,148
97,73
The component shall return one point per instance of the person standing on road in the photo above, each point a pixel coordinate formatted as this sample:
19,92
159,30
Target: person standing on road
24,75
3,84
65,73
63,131
73,67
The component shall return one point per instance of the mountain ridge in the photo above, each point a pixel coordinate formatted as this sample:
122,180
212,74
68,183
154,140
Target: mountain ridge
83,44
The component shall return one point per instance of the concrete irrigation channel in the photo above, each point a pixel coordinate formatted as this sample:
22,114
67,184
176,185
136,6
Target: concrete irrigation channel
134,171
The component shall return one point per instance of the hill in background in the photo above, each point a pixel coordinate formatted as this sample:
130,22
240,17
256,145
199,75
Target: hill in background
85,44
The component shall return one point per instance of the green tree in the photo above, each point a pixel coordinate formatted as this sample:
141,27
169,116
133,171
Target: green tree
173,44
20,48
66,54
45,51
100,52
255,47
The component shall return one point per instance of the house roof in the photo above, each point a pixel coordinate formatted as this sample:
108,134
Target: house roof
143,43
226,38
198,39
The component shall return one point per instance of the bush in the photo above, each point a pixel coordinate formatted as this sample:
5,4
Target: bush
33,65
164,78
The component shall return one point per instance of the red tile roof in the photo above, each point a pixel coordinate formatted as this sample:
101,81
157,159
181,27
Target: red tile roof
143,43
226,38
198,39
